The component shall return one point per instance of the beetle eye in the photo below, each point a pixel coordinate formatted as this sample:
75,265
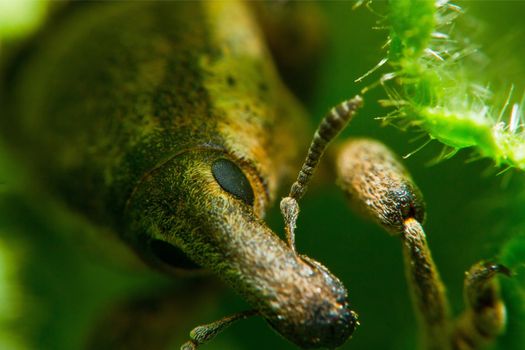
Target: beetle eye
232,180
171,255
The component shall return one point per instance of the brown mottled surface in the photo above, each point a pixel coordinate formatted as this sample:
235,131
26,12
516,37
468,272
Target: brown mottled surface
122,108
377,185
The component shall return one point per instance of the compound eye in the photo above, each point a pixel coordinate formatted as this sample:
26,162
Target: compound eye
231,178
171,255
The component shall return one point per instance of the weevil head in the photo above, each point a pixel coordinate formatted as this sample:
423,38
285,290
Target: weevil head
175,209
208,205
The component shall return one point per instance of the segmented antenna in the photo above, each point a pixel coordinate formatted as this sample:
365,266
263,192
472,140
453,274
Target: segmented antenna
331,125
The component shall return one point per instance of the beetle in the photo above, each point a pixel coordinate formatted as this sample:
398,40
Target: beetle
184,156
181,153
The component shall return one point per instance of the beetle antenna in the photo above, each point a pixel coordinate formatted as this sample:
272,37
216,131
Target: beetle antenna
331,125
204,333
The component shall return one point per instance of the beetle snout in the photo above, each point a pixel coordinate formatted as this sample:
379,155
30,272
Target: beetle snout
322,317
326,325
331,327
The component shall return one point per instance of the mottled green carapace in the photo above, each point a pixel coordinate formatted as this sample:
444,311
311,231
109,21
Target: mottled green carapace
167,122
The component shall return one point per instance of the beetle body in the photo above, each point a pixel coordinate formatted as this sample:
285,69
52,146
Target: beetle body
168,123
113,91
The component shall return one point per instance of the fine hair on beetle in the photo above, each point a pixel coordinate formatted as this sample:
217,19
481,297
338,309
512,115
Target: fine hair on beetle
168,124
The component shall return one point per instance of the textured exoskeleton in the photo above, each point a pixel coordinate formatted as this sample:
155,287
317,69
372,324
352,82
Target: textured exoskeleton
167,122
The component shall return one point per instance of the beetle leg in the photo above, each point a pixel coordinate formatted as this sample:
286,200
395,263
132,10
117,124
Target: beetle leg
426,287
485,316
378,186
204,333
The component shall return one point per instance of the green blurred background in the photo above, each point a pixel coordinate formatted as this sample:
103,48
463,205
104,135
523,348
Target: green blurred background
67,283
